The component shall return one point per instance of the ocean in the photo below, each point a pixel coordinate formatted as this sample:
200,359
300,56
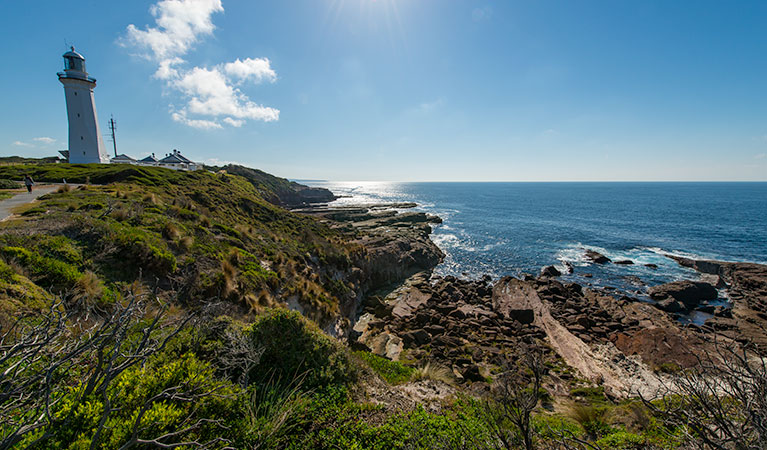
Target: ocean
514,228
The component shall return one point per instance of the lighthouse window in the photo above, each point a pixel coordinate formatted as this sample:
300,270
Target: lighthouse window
78,114
75,93
82,138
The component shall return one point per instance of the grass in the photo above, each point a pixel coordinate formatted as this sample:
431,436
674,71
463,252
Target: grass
393,372
159,223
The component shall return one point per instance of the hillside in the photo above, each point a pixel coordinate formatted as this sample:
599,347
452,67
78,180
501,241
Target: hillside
146,307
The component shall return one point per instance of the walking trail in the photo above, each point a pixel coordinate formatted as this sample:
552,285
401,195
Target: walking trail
7,206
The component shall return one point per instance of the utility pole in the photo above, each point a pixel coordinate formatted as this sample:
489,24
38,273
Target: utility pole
112,127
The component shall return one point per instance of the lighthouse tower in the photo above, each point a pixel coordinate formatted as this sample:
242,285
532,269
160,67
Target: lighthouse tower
85,142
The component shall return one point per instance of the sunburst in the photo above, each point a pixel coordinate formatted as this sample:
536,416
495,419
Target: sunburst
376,13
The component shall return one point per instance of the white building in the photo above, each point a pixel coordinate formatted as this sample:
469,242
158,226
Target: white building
174,160
177,161
85,142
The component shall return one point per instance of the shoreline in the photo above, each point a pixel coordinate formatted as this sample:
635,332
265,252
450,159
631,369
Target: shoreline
589,327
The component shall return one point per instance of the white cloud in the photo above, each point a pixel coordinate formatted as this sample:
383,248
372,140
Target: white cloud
213,95
22,144
202,124
760,156
233,122
259,69
180,23
44,140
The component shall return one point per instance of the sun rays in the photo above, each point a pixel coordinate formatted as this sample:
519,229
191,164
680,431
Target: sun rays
375,16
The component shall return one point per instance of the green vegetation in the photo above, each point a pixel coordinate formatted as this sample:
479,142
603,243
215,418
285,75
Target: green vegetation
212,232
295,348
9,184
153,306
393,372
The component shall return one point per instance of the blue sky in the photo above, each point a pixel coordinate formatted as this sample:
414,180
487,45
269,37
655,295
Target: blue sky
407,90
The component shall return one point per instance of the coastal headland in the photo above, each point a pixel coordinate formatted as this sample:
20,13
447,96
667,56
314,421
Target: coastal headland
325,327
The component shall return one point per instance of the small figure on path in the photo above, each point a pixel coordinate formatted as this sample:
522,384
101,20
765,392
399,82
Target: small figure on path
29,182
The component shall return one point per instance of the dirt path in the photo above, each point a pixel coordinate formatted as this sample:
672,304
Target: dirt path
7,206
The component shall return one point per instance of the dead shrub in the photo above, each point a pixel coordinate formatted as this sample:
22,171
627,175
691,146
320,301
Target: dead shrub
186,243
121,214
171,232
89,289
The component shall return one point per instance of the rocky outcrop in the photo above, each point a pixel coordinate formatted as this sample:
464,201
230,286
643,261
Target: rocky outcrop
474,327
280,191
690,294
450,322
746,286
601,361
397,244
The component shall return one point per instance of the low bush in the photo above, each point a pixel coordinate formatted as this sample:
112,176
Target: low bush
294,347
9,184
46,271
393,372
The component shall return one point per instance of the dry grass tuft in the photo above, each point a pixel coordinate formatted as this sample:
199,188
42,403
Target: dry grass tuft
230,278
186,243
63,189
121,214
435,372
234,257
88,289
171,232
151,199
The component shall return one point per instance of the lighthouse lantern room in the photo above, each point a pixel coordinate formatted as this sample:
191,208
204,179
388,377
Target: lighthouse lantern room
85,142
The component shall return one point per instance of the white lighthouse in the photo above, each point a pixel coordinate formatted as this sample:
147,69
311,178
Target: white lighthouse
85,142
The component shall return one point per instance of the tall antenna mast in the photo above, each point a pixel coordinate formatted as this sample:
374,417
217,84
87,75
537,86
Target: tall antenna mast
112,128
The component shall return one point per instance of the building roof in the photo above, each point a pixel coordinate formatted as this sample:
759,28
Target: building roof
122,157
149,158
73,54
176,158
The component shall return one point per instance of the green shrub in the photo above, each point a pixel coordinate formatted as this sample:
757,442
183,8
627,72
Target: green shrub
393,372
552,427
46,271
592,419
76,420
9,184
622,440
296,348
6,273
590,395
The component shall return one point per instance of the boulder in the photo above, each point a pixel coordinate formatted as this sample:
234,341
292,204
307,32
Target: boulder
550,271
472,373
670,305
597,257
624,262
691,293
651,266
523,316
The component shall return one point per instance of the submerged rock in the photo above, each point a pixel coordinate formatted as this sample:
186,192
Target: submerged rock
597,257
